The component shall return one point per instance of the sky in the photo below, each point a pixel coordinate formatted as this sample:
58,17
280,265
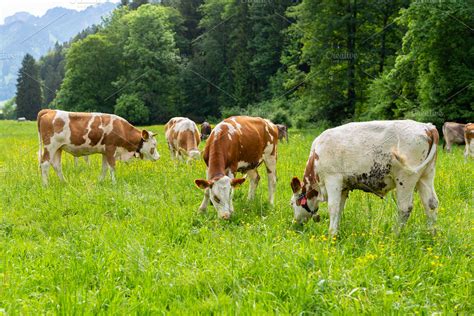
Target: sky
39,7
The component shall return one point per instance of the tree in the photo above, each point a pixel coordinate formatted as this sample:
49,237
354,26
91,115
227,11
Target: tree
9,109
434,71
51,69
150,60
28,95
92,65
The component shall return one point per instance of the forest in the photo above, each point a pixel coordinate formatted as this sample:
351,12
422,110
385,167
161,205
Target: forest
302,63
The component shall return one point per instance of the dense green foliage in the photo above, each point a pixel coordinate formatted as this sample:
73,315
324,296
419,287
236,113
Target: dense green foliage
28,94
433,76
297,61
141,247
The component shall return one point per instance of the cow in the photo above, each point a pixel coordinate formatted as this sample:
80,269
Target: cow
469,140
205,130
375,157
238,144
183,138
282,132
82,134
453,133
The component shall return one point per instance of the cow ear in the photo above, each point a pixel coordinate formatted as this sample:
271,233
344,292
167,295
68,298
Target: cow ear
145,135
236,182
295,185
203,184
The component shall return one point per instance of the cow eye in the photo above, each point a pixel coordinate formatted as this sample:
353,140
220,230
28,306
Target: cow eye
217,200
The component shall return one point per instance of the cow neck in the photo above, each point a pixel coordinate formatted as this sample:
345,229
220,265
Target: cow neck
135,139
217,163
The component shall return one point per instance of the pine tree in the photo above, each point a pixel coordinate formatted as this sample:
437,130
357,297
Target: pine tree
28,95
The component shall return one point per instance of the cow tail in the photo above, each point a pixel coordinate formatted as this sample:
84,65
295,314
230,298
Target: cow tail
434,137
38,122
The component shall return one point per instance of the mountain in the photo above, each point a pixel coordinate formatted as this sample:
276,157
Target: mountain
24,33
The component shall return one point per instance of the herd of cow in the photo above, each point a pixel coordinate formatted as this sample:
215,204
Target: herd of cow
375,157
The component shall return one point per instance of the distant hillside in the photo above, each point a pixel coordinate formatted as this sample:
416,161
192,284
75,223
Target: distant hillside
24,33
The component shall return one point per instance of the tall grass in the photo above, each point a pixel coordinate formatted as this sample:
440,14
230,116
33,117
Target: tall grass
141,246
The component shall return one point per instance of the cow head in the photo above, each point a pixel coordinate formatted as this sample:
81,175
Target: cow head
305,203
221,191
148,148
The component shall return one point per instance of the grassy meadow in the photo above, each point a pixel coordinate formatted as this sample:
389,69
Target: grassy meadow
140,246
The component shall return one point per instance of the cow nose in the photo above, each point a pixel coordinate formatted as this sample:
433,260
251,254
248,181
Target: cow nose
225,216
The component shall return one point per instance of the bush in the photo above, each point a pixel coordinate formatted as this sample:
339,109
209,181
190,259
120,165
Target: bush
232,111
281,116
132,108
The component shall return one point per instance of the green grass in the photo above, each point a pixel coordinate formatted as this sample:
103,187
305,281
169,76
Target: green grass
141,246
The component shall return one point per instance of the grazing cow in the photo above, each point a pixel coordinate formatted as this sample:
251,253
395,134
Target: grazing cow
238,144
469,140
183,138
282,132
453,133
374,157
205,130
82,134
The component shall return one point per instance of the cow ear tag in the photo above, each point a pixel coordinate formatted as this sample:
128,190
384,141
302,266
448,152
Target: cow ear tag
303,201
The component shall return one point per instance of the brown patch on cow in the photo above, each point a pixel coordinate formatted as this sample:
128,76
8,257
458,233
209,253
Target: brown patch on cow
95,133
58,125
45,156
433,137
78,126
105,120
247,143
45,125
469,132
124,135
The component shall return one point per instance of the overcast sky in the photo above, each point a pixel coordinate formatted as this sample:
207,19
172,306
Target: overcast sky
39,7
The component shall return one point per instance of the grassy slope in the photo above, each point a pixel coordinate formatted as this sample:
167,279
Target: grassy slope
141,245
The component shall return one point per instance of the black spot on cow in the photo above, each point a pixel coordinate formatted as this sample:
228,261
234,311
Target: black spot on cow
374,180
401,183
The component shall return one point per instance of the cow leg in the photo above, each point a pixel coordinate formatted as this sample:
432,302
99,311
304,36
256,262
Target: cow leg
86,159
254,179
270,163
448,145
425,187
404,201
76,161
344,196
57,164
335,200
104,168
110,151
44,164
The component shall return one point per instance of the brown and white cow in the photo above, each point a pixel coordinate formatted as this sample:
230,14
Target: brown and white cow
82,134
374,157
469,140
183,138
282,132
238,144
205,130
453,133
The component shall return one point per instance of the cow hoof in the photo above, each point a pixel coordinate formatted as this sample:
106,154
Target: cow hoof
316,218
